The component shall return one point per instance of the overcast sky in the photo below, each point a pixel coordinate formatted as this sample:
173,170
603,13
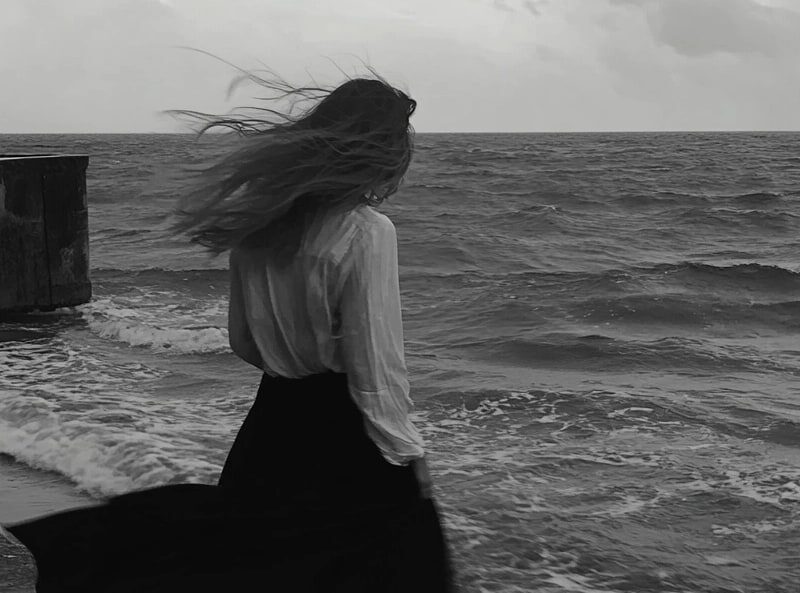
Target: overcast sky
472,65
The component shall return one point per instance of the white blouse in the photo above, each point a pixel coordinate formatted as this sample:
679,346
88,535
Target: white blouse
335,307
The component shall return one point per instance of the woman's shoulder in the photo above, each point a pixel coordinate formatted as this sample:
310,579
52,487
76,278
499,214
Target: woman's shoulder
371,222
369,232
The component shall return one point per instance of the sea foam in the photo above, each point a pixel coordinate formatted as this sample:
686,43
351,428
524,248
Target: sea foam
123,446
140,327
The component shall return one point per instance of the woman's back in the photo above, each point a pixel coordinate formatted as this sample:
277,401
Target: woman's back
335,307
292,312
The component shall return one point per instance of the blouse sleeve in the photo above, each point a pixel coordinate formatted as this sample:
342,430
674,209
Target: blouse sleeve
239,336
372,344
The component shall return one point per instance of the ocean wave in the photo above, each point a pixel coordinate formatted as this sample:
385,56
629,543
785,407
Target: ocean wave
432,186
688,310
163,273
545,459
770,275
559,350
583,414
136,327
698,200
197,340
116,233
757,197
717,215
113,447
762,275
33,435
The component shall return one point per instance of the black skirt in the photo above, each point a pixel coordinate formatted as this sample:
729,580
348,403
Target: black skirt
305,502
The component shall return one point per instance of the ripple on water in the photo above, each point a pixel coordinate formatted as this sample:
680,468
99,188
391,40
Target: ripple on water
590,491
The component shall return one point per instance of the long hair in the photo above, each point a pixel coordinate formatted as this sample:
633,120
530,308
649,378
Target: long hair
352,145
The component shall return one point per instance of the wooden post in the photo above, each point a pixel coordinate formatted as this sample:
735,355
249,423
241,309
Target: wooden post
44,232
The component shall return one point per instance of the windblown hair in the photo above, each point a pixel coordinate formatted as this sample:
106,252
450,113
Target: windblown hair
353,145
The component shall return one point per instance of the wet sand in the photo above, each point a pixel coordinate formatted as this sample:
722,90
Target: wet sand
26,493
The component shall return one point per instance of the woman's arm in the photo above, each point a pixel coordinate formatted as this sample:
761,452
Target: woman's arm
372,344
239,336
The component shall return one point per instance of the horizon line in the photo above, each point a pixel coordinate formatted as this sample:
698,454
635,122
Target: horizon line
152,133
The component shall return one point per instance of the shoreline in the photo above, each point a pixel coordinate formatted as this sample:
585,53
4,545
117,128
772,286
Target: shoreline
26,493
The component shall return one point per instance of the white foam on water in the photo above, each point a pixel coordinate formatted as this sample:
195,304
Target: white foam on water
715,560
574,582
95,417
162,328
582,468
510,462
756,529
30,431
177,340
116,446
779,488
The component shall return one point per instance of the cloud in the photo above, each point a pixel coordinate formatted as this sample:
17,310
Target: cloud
702,64
535,7
501,5
78,64
565,65
697,28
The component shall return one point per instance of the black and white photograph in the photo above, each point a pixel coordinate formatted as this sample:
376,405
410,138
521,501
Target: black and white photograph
432,296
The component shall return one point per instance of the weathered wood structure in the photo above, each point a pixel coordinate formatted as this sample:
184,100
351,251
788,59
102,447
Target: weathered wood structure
44,234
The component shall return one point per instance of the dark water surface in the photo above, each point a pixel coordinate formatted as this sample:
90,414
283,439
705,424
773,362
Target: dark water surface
602,332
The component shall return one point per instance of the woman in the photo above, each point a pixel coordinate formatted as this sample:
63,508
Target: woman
326,486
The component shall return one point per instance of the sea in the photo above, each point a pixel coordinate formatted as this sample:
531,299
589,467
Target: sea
602,336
